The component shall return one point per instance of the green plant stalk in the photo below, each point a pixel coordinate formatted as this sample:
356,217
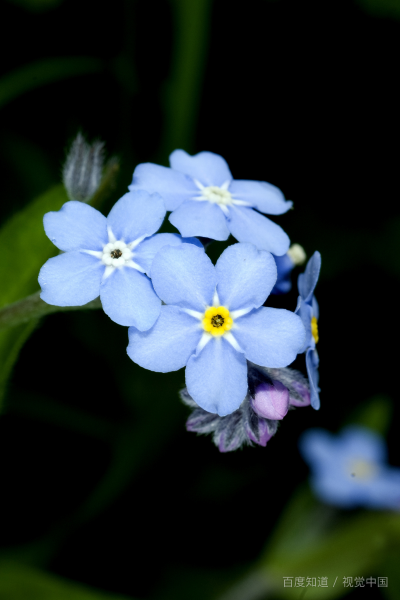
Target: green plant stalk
32,307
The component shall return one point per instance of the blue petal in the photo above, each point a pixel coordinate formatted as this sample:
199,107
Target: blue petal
185,276
136,214
264,196
247,225
313,377
217,377
337,490
191,240
317,446
385,490
71,279
285,266
308,280
305,313
145,252
168,345
208,168
174,187
128,298
363,443
245,276
200,218
315,308
76,226
270,337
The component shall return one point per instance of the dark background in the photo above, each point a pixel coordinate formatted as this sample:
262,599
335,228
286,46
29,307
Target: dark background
101,480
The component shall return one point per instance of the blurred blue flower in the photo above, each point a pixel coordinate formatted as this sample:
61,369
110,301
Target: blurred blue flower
108,257
212,322
350,469
285,264
308,310
207,202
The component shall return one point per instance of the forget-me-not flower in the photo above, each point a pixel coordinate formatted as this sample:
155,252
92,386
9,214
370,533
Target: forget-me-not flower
206,201
308,310
108,257
350,469
214,320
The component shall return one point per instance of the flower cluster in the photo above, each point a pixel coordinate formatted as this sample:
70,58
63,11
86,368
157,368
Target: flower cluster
181,310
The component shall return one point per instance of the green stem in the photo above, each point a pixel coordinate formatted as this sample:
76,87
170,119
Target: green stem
183,91
32,307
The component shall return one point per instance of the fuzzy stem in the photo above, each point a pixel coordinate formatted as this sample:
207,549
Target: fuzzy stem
32,307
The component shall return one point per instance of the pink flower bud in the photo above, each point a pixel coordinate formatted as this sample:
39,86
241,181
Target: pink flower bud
271,401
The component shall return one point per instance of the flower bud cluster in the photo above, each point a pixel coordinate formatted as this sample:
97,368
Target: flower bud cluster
271,393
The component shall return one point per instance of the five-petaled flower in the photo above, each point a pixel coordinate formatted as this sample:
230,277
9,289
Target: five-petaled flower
350,469
108,257
308,310
214,320
206,201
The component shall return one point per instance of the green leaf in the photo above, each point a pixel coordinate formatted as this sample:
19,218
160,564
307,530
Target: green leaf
44,71
375,414
381,8
24,248
313,540
19,582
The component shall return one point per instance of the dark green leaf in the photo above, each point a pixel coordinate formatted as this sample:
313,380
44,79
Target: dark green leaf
24,248
20,582
44,71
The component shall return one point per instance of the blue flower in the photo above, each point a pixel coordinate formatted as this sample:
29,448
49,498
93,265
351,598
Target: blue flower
207,202
285,264
212,322
108,257
308,310
349,470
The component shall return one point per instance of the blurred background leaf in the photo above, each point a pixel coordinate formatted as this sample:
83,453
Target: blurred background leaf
381,8
24,247
19,582
43,72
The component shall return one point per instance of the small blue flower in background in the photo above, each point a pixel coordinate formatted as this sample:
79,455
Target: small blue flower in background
308,310
108,257
285,264
207,202
350,469
212,323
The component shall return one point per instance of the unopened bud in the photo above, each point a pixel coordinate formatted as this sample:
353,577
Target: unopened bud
271,401
297,255
83,169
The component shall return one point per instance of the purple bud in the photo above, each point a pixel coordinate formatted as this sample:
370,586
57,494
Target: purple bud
271,401
303,392
264,434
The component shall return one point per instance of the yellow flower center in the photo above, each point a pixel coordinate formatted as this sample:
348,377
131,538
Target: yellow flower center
362,469
217,320
314,329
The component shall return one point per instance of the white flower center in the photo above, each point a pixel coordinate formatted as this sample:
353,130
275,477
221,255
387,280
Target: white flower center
217,195
116,254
